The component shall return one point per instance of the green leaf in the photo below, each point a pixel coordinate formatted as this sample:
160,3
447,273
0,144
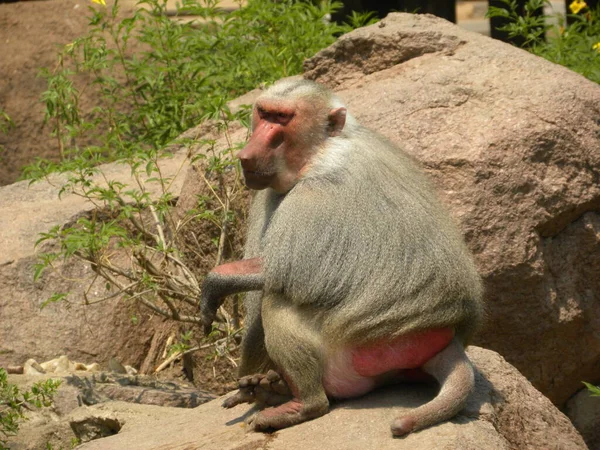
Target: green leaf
54,298
594,390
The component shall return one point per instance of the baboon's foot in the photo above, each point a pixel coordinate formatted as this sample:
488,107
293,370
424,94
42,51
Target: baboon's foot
263,390
286,415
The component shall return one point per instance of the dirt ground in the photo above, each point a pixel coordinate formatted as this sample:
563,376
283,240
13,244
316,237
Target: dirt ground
30,34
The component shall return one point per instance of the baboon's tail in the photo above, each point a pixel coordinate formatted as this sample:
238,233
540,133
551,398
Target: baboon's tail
453,371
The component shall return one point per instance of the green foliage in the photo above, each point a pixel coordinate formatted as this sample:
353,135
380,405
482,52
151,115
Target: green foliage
6,124
594,390
576,45
13,402
184,344
529,26
177,75
134,239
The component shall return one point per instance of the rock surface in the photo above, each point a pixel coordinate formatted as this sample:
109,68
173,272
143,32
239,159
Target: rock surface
88,407
513,143
147,390
504,412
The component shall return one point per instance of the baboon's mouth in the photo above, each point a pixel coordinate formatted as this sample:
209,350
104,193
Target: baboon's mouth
258,180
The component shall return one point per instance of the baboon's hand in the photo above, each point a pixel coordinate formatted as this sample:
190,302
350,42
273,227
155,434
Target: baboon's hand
219,284
213,293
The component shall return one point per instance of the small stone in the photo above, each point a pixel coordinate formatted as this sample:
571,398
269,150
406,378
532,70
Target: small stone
32,367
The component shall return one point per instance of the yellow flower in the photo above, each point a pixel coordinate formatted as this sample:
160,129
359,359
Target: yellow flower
575,6
103,2
596,46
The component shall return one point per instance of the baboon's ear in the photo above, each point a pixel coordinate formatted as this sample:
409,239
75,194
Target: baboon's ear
336,121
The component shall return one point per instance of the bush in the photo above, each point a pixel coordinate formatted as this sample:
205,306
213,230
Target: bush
575,45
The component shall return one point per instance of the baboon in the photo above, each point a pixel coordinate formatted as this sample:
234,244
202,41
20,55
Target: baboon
359,275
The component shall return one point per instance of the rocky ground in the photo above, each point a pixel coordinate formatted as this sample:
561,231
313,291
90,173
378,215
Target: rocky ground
31,32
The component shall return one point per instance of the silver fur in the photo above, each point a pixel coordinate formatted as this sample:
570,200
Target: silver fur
361,242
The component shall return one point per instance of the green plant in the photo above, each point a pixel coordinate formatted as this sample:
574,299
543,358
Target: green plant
6,122
183,345
529,25
575,45
135,240
594,390
13,402
181,74
74,441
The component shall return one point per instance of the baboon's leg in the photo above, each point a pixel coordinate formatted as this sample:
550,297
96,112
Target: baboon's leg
296,350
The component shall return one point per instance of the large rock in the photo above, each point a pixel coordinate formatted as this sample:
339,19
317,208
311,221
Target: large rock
93,333
504,412
513,143
116,401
